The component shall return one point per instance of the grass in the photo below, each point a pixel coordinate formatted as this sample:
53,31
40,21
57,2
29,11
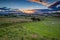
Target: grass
47,29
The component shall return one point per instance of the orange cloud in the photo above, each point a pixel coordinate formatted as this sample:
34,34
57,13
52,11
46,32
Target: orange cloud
28,11
34,0
43,2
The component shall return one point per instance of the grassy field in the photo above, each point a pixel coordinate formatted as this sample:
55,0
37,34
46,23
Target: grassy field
25,29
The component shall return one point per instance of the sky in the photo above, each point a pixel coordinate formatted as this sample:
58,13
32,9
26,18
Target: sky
24,4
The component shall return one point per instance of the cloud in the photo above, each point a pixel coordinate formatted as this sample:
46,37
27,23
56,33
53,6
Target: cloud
43,2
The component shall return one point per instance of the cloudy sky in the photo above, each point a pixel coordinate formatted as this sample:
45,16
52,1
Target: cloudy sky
25,4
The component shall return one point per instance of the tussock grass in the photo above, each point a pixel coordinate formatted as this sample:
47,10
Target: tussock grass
47,29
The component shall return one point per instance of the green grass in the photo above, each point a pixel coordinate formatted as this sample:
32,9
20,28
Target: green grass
48,29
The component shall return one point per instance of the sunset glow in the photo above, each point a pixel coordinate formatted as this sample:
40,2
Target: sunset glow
28,11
